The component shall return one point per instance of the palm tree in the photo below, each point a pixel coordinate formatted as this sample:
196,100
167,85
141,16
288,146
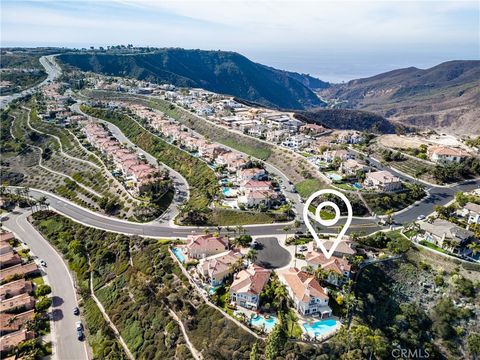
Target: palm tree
447,244
281,298
475,247
291,319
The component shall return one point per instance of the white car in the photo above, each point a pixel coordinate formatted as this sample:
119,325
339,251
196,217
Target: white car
421,217
43,263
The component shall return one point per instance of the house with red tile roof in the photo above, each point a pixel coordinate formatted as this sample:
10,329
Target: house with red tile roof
22,301
338,269
216,268
308,296
446,154
6,236
202,246
250,174
19,270
15,288
10,258
9,341
247,286
13,322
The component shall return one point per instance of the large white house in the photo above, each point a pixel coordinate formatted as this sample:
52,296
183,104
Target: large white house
446,154
382,181
472,212
308,296
247,286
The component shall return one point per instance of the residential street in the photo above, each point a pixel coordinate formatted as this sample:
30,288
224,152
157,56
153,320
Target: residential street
66,346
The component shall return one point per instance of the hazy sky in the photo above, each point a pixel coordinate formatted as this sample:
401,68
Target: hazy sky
334,40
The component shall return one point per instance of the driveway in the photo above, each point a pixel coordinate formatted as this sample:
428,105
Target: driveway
270,254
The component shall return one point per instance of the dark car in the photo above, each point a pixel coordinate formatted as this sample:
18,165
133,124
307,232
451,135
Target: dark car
76,311
79,334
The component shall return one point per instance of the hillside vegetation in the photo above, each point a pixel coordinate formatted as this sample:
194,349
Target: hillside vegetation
347,120
218,71
445,96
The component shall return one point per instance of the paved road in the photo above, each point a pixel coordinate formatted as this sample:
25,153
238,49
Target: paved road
53,71
438,195
180,183
163,230
66,345
271,254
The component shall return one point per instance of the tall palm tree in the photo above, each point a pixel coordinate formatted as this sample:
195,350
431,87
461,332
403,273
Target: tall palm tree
475,247
281,298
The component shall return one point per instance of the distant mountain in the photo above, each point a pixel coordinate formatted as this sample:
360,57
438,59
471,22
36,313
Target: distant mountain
345,119
218,71
444,97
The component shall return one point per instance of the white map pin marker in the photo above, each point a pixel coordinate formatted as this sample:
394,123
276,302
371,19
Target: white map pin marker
331,222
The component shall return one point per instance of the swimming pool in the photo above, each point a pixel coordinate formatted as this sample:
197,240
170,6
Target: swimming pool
334,177
179,254
321,327
228,192
358,186
259,321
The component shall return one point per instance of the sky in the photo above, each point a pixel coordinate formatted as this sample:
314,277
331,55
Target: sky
333,40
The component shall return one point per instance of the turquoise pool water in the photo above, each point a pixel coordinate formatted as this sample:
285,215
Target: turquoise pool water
213,289
228,192
320,327
179,254
358,185
259,321
334,176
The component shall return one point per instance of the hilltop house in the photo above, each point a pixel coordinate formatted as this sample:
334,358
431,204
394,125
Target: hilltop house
445,154
247,286
308,296
382,181
250,174
202,246
216,268
445,234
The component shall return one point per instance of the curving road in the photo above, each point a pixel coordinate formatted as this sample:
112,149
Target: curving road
180,183
53,72
66,346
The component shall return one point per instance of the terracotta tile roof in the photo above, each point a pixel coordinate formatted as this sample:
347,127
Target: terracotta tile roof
220,263
15,287
6,236
22,300
207,241
11,340
13,322
251,280
19,269
303,285
446,151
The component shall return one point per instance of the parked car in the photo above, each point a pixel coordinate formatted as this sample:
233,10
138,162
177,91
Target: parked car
76,311
421,217
79,325
43,263
79,334
302,248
